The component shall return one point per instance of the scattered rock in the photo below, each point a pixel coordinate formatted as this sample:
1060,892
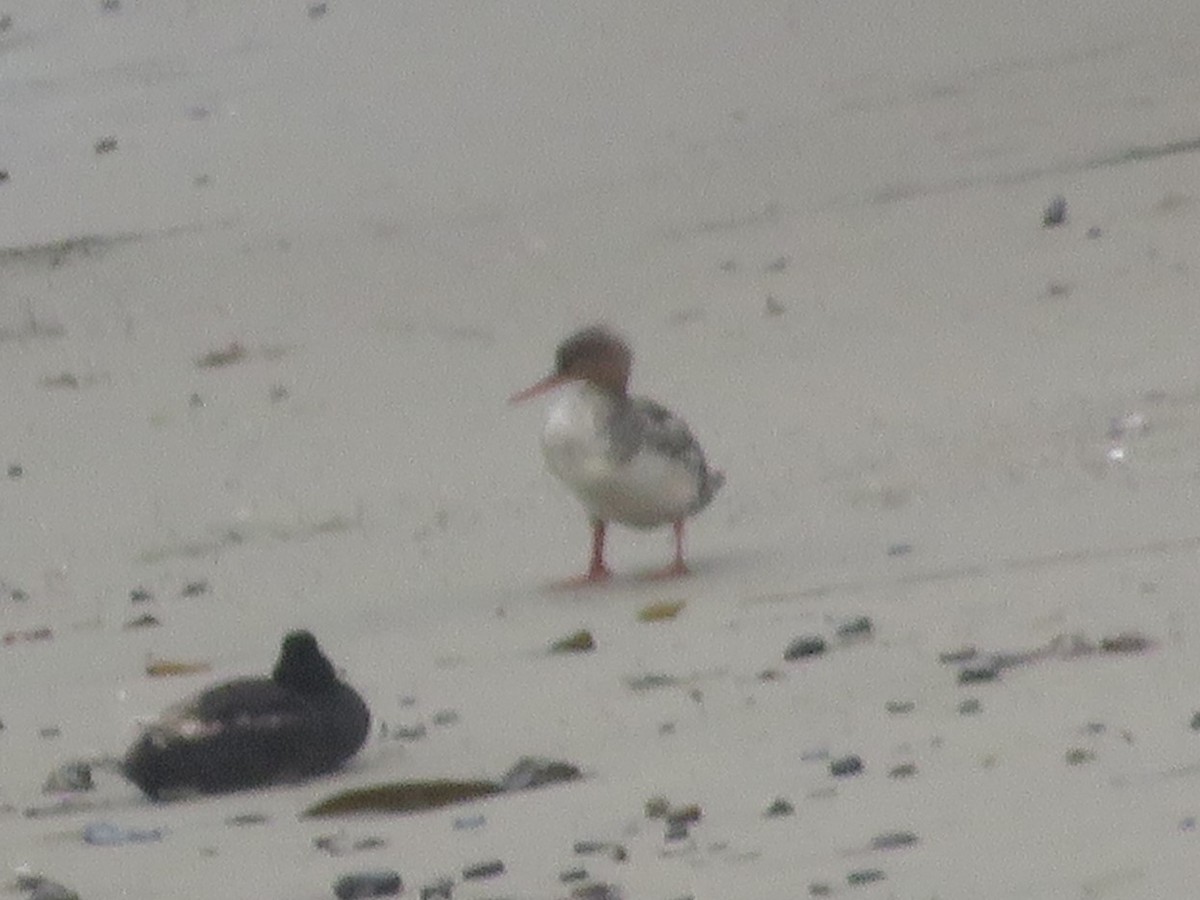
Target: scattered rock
487,869
803,647
676,831
975,674
145,620
579,642
774,307
106,144
858,628
106,834
1196,721
72,777
340,844
572,875
688,814
903,770
779,807
243,819
865,876
899,549
1094,232
651,681
845,766
140,595
970,707
445,717
1126,642
231,353
49,732
195,588
819,889
658,807
1077,756
661,612
442,889
168,668
891,840
778,264
899,707
15,471
597,891
962,654
469,823
403,732
28,635
358,885
317,10
1055,213
533,772
42,888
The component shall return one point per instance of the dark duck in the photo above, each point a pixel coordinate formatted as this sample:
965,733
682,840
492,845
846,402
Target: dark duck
250,732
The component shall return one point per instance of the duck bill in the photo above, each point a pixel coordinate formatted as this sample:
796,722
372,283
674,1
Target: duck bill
549,383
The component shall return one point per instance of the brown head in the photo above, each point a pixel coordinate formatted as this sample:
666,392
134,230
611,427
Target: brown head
595,354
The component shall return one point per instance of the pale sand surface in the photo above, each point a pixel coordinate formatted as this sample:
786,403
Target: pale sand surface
396,209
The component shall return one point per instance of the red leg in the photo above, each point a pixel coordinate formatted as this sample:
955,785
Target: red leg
597,572
677,568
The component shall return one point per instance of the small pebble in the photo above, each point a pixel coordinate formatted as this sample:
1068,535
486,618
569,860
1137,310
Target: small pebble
854,629
1128,642
819,889
469,823
195,588
903,770
1077,756
899,707
579,642
73,777
106,834
899,549
49,732
1196,721
676,830
15,471
571,875
110,5
51,890
1094,232
317,10
893,839
865,876
975,674
489,869
801,647
105,144
445,717
146,620
962,654
778,264
970,707
140,595
442,889
779,807
1055,212
689,814
242,819
597,891
845,765
358,885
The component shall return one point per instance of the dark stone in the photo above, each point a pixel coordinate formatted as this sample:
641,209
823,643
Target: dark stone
359,885
974,674
855,629
489,869
250,732
802,647
893,839
1055,213
779,807
845,765
865,876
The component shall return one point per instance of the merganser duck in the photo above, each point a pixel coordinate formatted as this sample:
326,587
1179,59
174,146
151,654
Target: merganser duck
628,459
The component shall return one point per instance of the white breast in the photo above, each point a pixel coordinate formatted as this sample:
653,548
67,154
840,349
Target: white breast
647,490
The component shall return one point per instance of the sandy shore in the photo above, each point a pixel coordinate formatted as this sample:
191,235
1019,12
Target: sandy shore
269,275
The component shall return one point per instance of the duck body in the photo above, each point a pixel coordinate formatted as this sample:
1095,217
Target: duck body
628,459
250,732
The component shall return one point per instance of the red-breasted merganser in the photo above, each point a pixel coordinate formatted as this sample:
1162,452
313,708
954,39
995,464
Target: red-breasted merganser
627,458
